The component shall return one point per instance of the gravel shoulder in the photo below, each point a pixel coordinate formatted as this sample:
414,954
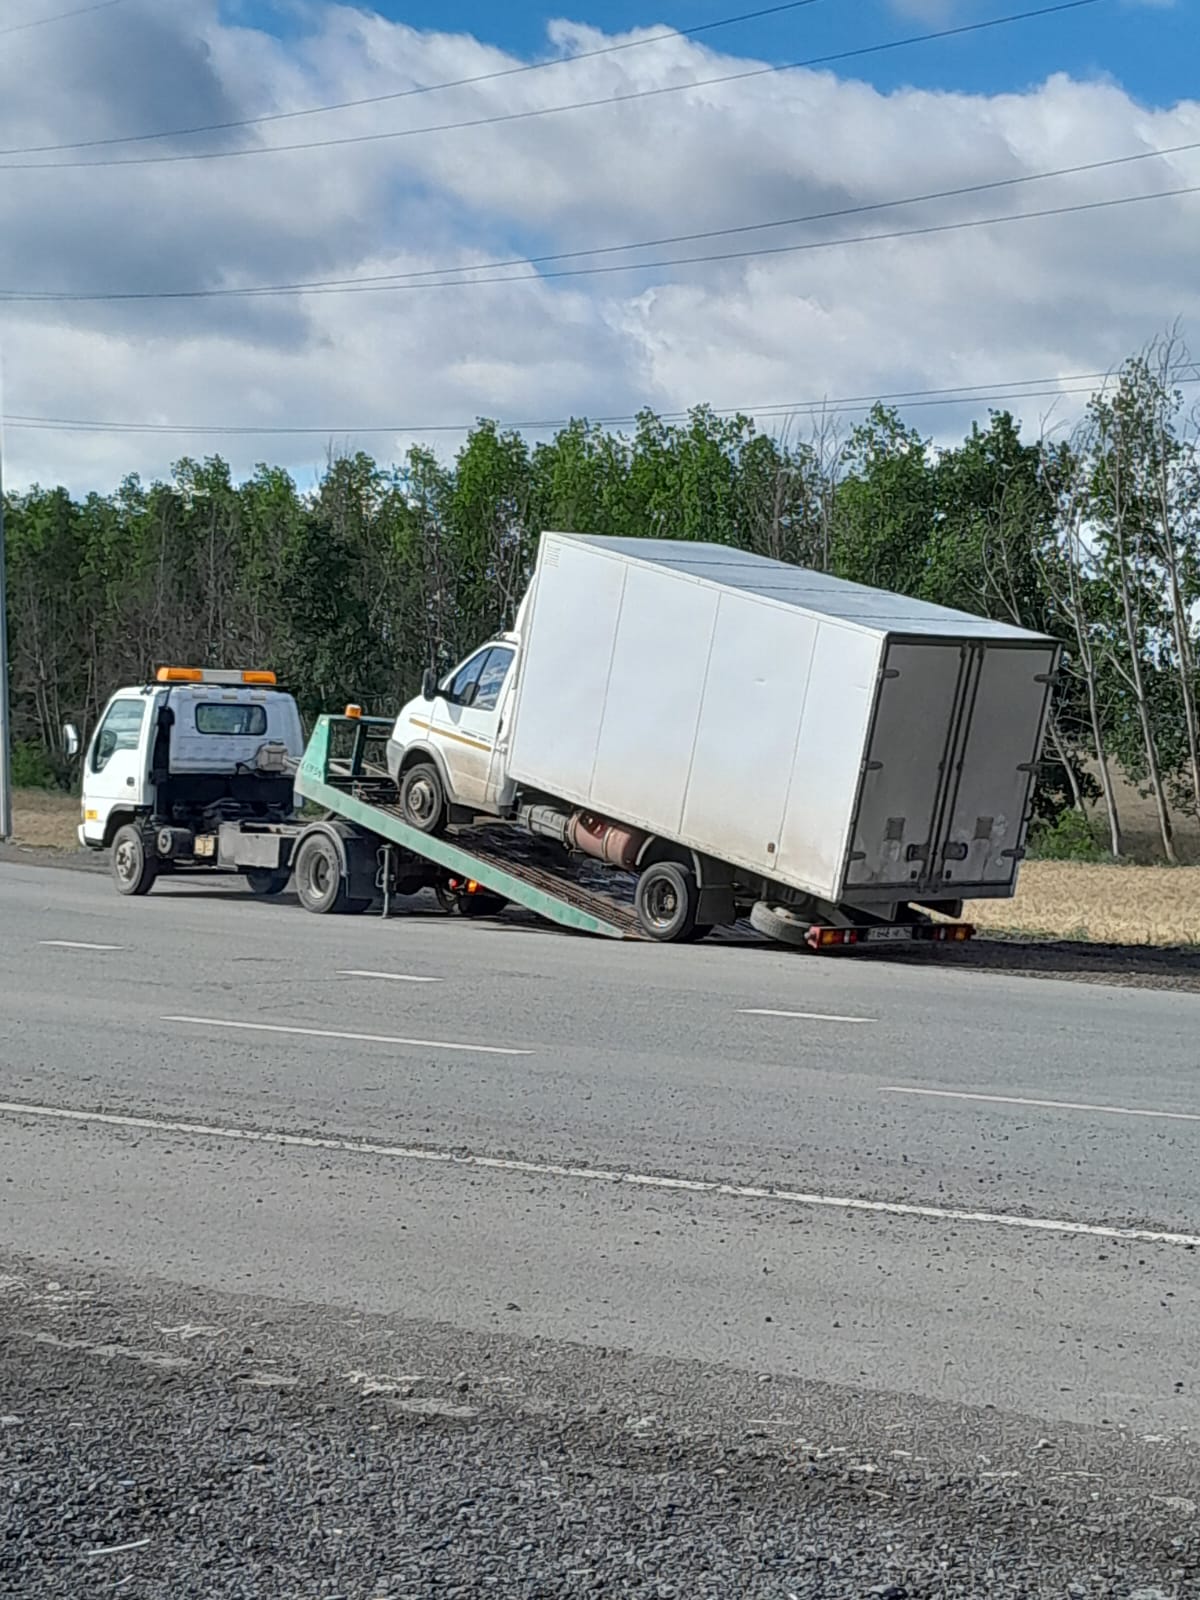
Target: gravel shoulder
158,1443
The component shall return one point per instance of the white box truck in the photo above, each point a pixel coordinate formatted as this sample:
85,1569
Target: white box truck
744,736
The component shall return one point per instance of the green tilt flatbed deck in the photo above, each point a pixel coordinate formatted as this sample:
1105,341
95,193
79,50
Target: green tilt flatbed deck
501,859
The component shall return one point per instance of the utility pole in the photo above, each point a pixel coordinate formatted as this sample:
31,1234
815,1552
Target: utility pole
6,812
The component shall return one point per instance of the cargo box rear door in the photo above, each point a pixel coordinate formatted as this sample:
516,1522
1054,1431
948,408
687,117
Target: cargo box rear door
1007,704
921,689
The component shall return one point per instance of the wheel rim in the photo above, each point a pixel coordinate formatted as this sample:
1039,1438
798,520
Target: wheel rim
125,859
319,874
661,901
422,800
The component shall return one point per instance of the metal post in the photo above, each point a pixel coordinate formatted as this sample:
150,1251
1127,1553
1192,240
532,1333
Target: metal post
6,812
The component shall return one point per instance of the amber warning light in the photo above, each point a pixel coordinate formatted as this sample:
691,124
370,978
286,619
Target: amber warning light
261,680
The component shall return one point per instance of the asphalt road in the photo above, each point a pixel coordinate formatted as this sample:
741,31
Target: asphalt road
649,1185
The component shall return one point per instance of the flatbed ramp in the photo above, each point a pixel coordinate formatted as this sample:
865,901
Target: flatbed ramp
336,773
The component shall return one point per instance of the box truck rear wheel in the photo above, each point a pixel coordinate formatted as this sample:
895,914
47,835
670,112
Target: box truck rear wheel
422,798
666,902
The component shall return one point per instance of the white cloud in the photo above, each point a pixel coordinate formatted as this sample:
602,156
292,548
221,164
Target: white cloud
1055,296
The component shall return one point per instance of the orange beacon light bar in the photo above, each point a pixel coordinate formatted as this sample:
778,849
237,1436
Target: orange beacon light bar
262,680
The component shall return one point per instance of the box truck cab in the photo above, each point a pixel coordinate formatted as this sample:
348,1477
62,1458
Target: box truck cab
447,751
170,761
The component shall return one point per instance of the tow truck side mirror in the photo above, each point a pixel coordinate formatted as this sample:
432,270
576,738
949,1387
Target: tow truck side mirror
429,685
70,741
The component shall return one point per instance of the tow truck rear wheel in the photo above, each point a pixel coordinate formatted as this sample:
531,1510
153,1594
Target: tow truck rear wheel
133,868
461,903
319,879
266,882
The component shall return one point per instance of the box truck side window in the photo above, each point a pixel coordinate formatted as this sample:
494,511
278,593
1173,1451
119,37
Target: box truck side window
120,730
491,679
460,691
240,721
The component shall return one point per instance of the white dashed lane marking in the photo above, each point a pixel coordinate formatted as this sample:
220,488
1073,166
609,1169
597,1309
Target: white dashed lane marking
390,977
354,1038
800,1016
1043,1105
76,944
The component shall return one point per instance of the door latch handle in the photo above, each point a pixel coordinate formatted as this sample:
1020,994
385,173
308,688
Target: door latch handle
129,783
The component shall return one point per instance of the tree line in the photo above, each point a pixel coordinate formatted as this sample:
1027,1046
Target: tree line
351,590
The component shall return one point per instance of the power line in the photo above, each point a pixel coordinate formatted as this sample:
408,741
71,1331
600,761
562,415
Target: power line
927,231
405,94
1001,393
60,16
545,111
413,279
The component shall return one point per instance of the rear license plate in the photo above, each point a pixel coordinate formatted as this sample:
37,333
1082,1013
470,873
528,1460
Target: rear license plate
898,935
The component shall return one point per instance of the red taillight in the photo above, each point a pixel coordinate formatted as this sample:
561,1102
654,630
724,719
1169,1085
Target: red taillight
828,938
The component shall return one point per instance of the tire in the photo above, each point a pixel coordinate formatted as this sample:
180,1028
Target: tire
666,901
781,924
448,900
469,905
266,882
481,905
319,880
423,798
133,868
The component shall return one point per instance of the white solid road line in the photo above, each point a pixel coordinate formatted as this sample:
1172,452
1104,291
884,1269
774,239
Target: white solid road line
801,1016
390,977
638,1180
359,1038
1046,1105
76,944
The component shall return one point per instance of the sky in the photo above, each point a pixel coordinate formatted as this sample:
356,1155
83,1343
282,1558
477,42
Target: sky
795,313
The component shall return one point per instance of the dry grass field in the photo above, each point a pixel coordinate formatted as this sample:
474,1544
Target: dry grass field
1110,905
45,819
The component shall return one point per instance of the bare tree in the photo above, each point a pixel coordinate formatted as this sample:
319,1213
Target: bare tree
1067,571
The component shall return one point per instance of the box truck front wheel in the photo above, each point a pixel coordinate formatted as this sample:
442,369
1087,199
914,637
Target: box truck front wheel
666,901
422,798
133,868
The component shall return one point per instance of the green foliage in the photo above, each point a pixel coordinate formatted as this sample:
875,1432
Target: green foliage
1070,837
32,767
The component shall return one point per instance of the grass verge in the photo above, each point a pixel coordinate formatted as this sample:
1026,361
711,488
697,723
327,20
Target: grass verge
45,818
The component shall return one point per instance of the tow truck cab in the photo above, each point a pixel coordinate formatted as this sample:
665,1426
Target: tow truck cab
176,758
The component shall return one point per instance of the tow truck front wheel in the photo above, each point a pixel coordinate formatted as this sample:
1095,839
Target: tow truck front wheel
133,868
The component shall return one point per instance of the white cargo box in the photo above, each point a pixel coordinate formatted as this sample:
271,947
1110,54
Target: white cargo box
840,740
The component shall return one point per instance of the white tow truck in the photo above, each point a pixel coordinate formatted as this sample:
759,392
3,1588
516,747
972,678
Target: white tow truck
196,768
